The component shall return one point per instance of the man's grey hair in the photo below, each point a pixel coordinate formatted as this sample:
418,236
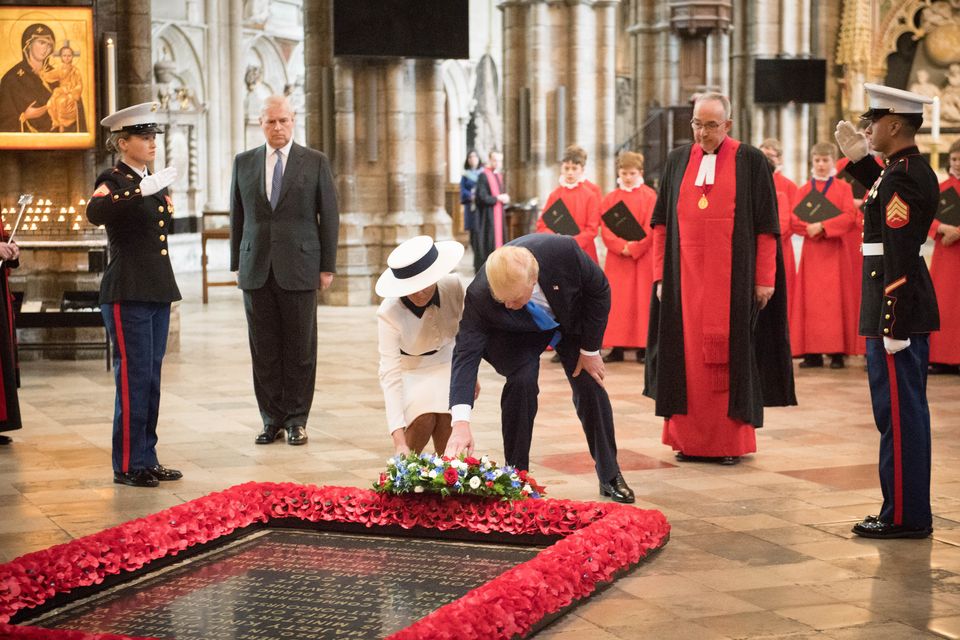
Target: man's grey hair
276,101
718,97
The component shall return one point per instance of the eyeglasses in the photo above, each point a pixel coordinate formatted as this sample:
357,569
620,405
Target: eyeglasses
709,126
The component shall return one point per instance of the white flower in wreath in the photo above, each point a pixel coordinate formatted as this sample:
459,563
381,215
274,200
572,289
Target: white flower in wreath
418,489
475,482
433,474
527,488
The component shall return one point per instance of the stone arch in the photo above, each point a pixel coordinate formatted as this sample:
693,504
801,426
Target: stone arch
265,73
456,89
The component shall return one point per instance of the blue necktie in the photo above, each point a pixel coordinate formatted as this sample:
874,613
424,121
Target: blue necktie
277,182
543,320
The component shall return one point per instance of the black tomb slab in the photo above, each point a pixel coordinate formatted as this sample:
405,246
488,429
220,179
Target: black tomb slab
294,584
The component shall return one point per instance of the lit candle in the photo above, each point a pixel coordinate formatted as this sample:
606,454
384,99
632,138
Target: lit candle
72,210
111,76
81,202
76,226
935,117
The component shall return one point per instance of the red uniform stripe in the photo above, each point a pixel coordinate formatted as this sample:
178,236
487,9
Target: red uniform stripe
897,451
124,388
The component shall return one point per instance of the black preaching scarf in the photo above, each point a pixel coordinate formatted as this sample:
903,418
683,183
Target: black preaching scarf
760,362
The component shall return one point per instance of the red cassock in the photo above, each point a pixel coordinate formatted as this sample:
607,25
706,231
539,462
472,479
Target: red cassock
786,191
945,273
823,314
706,245
583,202
630,276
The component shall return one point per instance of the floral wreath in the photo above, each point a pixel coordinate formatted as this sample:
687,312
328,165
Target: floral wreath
596,541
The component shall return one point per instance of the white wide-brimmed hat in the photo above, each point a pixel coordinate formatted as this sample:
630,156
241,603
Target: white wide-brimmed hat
416,264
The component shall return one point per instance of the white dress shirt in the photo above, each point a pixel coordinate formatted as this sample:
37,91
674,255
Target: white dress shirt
417,384
271,162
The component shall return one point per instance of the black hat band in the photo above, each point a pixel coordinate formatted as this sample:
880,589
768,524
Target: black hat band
418,267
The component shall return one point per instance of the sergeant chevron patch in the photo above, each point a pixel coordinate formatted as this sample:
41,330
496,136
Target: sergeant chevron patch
898,212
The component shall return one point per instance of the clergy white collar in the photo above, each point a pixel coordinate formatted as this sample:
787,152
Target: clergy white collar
564,183
707,172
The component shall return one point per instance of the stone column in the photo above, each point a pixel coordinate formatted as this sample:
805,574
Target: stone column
403,220
430,154
218,155
236,85
135,78
606,88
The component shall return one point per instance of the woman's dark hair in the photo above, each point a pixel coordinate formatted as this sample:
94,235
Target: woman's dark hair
466,161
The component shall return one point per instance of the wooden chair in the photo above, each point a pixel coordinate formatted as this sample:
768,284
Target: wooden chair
211,231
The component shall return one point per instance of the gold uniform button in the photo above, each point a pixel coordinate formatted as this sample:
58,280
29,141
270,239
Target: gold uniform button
163,252
886,317
161,223
126,193
873,274
163,238
137,190
130,177
116,197
889,303
160,208
886,330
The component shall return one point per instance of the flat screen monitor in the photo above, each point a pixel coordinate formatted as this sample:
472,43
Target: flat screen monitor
780,80
401,28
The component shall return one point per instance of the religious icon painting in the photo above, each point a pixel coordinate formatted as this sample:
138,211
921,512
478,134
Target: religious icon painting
47,92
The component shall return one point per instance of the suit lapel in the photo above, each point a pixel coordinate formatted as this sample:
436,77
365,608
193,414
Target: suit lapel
260,171
291,172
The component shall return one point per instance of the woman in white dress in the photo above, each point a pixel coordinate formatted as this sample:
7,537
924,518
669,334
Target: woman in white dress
417,325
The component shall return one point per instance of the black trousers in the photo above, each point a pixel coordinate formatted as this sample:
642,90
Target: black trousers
516,356
282,328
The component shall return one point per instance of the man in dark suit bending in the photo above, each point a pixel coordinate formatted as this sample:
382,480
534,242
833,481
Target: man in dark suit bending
283,241
536,291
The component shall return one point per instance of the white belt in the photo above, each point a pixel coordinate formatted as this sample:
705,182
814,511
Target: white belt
875,248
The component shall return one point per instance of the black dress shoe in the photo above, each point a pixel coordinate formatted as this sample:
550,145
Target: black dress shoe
163,474
812,361
270,433
136,478
617,489
939,369
836,361
641,355
297,435
683,457
615,355
6,440
728,460
878,529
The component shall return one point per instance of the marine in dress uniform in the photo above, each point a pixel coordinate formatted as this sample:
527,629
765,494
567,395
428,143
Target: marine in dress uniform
137,288
898,307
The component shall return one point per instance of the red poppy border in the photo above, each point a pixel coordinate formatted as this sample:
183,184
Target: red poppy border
596,542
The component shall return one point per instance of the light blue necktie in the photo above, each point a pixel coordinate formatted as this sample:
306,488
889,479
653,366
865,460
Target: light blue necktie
543,320
277,182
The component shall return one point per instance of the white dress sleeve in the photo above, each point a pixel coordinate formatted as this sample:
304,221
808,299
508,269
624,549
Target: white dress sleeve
391,380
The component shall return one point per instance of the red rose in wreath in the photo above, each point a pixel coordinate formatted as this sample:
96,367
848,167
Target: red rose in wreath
450,475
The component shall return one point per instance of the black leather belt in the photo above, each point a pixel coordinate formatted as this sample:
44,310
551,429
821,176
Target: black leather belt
417,355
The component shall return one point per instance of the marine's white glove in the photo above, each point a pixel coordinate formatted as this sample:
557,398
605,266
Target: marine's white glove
157,181
852,143
892,345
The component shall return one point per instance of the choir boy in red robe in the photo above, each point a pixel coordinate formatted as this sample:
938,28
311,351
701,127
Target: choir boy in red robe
786,190
581,198
628,266
945,273
718,349
823,312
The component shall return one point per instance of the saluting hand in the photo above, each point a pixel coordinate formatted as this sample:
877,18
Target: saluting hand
158,181
852,143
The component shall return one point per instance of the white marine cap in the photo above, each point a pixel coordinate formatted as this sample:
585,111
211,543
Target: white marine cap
887,100
140,118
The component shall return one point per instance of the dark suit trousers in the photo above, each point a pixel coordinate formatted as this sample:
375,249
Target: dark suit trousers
516,356
282,327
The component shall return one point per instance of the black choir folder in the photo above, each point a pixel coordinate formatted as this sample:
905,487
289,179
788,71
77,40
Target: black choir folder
619,220
558,219
816,208
949,209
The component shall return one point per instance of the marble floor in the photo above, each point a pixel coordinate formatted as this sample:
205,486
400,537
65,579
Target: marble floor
759,550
